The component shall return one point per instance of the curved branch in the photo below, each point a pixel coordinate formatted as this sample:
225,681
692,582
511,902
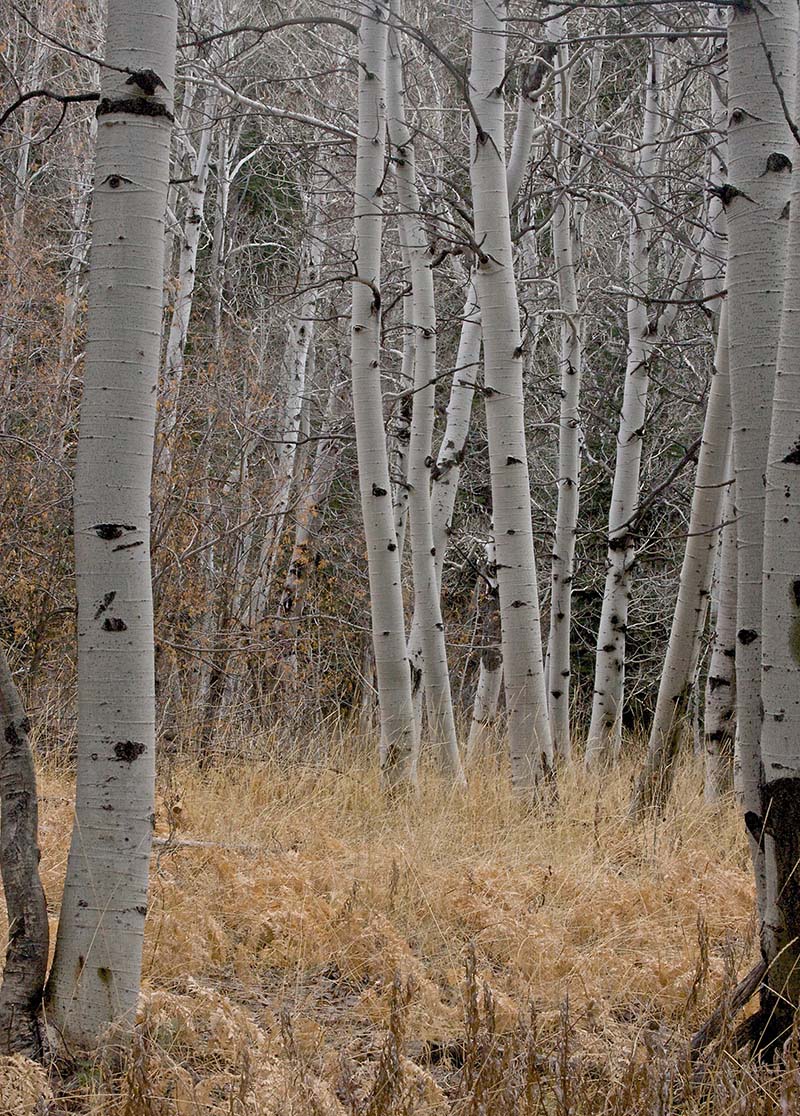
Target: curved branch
62,98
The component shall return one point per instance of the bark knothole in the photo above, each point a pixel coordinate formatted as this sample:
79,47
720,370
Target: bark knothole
778,161
793,456
746,635
109,531
114,624
147,80
104,604
126,751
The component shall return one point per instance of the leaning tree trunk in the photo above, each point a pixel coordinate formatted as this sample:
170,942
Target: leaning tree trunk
780,665
707,516
446,473
523,669
760,149
96,971
683,650
386,593
28,930
428,628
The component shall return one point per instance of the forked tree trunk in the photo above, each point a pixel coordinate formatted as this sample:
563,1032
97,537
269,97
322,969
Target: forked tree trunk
28,930
760,150
95,977
386,593
605,729
428,629
523,670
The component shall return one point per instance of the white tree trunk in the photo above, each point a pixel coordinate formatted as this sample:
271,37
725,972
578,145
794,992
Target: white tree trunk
428,628
605,729
400,427
308,513
295,367
719,720
490,676
569,428
96,971
446,473
705,522
172,379
386,593
780,655
760,150
526,700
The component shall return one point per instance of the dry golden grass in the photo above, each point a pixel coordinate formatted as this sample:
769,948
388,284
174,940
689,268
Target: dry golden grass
312,948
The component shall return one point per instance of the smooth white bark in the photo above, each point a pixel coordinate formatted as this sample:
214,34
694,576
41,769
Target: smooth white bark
490,676
564,234
719,719
299,343
760,150
705,524
428,628
96,971
526,700
386,593
780,654
170,387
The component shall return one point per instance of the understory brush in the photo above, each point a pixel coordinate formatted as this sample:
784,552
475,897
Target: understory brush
313,948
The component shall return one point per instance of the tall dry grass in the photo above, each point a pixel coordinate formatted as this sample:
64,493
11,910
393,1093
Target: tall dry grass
312,948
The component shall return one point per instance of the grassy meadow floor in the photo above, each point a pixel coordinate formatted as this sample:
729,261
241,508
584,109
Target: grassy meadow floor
314,949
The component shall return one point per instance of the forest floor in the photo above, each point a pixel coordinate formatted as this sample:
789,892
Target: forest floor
314,949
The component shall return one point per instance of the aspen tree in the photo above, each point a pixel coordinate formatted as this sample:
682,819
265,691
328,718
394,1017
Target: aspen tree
707,518
386,593
523,670
719,718
760,150
308,513
294,375
605,729
446,473
184,297
705,521
569,428
779,817
96,971
25,965
428,629
490,676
